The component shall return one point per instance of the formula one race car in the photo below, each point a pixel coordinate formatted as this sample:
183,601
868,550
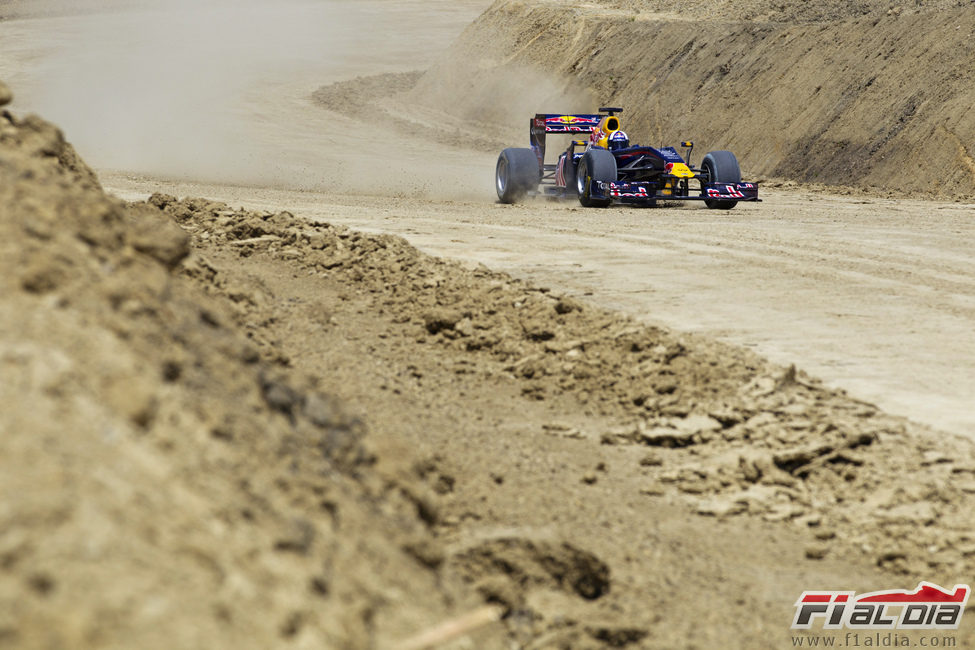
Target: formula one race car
606,168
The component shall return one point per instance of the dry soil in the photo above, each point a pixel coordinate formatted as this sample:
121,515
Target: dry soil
256,426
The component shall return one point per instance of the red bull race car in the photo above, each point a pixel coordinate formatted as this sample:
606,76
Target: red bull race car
604,167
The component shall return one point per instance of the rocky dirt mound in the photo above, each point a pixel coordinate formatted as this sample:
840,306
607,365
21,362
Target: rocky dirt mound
163,485
44,145
721,429
865,99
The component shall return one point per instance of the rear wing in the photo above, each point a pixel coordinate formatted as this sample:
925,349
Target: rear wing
554,123
544,123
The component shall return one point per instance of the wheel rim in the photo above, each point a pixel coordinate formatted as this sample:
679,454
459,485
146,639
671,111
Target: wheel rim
581,178
502,176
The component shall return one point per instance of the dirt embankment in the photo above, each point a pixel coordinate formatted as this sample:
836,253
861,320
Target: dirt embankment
161,483
869,94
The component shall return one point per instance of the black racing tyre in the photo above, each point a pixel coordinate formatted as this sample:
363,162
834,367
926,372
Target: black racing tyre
516,174
596,165
722,167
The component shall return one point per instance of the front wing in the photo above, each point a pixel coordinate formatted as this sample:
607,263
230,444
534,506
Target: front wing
646,192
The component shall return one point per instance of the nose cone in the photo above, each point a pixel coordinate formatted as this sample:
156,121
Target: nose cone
680,170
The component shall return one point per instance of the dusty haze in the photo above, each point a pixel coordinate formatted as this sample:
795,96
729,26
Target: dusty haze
196,90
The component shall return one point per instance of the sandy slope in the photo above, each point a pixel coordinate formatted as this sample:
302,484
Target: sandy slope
879,95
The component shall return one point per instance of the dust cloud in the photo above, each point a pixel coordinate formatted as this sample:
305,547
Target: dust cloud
220,90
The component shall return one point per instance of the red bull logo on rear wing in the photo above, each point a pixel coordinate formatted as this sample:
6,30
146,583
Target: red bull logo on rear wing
545,123
555,123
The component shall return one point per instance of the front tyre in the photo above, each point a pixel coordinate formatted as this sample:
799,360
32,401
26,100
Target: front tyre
516,174
596,166
721,167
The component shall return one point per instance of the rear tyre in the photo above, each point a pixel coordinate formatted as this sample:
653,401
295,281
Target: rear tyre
516,174
596,165
721,167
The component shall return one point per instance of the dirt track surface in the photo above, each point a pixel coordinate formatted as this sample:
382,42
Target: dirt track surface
873,295
263,428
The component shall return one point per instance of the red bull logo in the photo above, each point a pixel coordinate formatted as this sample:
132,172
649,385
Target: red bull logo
570,123
626,190
568,119
680,170
725,192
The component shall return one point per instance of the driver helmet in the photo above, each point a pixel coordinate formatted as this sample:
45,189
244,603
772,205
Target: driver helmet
618,140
